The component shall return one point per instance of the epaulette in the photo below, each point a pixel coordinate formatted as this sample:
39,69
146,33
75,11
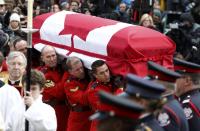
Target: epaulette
74,89
94,85
185,101
147,128
49,84
143,127
1,83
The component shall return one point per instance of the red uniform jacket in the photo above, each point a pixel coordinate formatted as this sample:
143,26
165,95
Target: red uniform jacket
53,79
80,111
92,97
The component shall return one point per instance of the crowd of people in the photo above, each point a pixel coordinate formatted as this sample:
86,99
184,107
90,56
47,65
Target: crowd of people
66,96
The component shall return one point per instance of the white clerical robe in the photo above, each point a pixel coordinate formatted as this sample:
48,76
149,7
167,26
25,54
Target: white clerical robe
9,99
2,126
41,117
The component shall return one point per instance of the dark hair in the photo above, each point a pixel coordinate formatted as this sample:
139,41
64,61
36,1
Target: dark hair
18,39
37,77
75,2
97,64
59,6
4,38
1,58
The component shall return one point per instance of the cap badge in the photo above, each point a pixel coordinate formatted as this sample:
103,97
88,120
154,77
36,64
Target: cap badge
163,119
188,112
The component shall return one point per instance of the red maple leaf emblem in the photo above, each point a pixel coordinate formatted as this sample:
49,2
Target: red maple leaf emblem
81,25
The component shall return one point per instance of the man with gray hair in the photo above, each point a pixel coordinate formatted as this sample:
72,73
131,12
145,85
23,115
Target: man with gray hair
75,87
53,74
9,96
16,63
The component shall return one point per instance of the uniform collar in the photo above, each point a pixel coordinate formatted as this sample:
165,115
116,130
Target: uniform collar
170,97
103,83
146,117
71,77
189,93
16,82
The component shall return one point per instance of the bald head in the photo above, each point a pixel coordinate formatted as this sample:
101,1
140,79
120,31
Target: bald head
49,56
47,48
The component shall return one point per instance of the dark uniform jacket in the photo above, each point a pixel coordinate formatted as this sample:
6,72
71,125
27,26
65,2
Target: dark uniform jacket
191,105
172,117
79,110
149,123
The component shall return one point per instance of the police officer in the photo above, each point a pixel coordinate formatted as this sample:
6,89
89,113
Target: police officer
187,90
116,113
148,94
171,117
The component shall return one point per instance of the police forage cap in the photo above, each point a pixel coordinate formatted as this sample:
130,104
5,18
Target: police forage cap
159,72
139,87
14,17
185,66
2,2
117,106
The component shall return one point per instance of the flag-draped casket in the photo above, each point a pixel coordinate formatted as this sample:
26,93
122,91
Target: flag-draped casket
125,47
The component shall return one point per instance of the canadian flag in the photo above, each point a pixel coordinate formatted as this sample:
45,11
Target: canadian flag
125,47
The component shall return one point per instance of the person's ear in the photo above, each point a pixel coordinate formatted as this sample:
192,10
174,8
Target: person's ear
188,80
94,75
41,58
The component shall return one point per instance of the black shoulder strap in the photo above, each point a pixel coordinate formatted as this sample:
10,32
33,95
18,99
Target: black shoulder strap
1,83
94,85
